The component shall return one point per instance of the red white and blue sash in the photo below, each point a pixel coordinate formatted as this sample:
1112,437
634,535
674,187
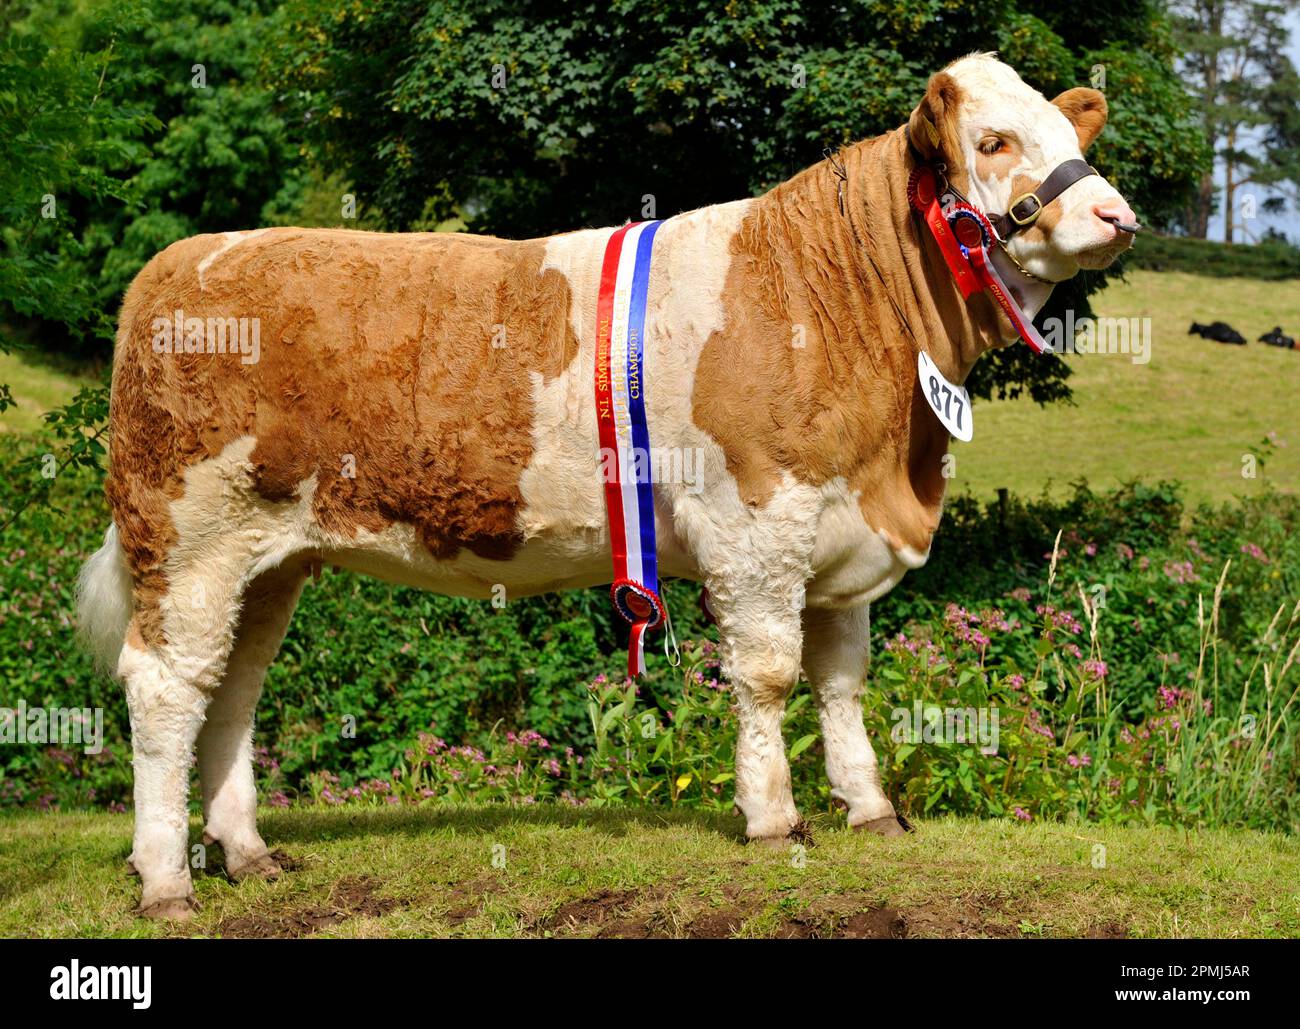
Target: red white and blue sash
624,433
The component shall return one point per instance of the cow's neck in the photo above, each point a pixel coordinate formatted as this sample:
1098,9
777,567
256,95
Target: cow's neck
883,262
835,370
824,321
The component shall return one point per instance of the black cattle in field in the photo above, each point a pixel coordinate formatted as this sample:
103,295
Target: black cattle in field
1220,332
1276,339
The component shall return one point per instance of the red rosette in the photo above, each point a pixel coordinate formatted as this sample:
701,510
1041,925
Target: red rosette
922,190
637,603
968,227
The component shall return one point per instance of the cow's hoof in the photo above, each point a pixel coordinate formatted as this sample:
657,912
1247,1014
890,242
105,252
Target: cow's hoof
890,825
800,832
170,909
265,866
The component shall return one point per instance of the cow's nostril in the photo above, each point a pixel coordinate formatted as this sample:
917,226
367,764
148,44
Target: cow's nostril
1119,215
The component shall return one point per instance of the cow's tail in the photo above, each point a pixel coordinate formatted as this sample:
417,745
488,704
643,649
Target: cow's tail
104,602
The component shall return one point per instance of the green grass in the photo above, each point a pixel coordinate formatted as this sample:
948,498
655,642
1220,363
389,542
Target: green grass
1189,414
37,386
632,872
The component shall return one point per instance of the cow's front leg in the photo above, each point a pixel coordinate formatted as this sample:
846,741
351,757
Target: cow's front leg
760,655
836,650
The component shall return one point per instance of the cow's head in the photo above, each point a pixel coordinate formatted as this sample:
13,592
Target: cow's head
1000,139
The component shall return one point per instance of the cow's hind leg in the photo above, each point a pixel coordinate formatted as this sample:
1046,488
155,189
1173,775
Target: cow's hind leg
225,744
168,680
836,650
166,709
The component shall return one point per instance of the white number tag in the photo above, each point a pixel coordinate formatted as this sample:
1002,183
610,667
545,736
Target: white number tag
951,404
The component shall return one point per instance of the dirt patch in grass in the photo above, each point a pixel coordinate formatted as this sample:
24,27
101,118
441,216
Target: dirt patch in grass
350,898
724,921
608,910
466,900
286,861
982,914
948,925
616,915
875,923
666,912
673,910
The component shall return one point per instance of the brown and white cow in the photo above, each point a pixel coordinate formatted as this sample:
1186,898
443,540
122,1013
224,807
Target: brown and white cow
381,430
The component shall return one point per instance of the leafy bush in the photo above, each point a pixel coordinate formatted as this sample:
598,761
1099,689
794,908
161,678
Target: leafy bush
153,128
443,697
961,725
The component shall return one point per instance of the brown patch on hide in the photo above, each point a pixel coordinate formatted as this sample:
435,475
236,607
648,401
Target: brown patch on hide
376,354
1087,110
848,402
997,166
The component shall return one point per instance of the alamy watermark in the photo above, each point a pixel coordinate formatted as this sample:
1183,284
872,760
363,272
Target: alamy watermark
65,726
658,464
1125,336
929,723
181,335
75,981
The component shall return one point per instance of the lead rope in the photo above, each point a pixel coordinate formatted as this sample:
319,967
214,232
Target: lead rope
841,173
671,651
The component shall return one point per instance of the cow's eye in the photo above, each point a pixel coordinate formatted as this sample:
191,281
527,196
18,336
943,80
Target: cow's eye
992,145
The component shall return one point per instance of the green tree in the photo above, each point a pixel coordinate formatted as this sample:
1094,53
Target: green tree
1247,93
220,155
60,140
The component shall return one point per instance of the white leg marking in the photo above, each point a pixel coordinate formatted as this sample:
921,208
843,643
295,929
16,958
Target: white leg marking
225,536
836,651
763,668
166,713
756,564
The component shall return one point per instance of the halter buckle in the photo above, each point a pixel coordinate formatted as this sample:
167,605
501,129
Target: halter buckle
1029,218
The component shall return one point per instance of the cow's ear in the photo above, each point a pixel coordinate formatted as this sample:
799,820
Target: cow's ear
933,125
1086,109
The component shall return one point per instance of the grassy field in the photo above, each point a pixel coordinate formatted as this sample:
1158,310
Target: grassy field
1189,414
644,872
36,387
